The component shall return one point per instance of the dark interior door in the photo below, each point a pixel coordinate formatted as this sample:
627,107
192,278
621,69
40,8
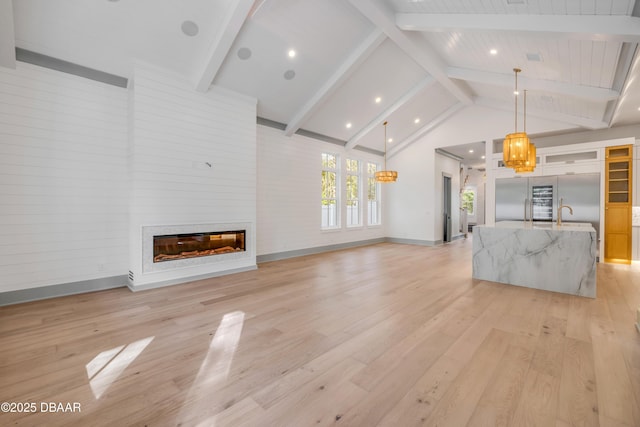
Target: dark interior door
446,208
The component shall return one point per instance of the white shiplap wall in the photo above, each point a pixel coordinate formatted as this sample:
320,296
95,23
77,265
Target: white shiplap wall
175,132
289,194
63,186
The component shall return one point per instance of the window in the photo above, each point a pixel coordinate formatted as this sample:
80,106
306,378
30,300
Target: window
373,195
469,200
353,193
357,181
329,191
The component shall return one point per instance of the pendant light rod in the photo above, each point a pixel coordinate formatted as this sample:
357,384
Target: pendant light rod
385,175
385,145
515,93
524,128
517,150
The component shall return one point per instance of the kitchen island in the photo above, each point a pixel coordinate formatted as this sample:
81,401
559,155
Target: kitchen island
547,256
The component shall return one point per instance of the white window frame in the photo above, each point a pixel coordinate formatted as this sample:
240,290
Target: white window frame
358,199
326,209
376,212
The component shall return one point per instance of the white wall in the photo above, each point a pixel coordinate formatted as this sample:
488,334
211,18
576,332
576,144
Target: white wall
409,202
63,183
414,203
289,194
450,167
175,132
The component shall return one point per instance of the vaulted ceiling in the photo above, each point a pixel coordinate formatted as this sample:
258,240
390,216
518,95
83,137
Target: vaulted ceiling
357,63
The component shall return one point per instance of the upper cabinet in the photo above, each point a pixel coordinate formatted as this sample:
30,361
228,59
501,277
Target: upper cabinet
565,160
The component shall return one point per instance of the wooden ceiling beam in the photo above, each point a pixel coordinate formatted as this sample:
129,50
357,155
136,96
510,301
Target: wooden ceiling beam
342,73
237,13
506,80
380,118
583,122
619,28
416,47
428,127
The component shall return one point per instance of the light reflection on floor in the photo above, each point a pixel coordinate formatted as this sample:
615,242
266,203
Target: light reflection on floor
107,366
214,369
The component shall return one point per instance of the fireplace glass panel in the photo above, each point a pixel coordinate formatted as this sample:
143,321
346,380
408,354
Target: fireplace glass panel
191,245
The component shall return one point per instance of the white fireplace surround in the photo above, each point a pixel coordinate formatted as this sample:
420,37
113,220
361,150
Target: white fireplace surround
148,232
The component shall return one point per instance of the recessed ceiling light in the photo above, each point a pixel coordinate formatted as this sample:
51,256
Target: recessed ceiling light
417,120
289,74
292,53
189,28
493,51
638,108
390,140
471,151
378,100
482,157
348,125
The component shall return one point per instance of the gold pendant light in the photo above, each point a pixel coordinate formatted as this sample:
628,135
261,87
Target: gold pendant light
530,164
386,175
515,149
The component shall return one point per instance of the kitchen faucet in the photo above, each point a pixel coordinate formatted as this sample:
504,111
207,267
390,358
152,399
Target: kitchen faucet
560,211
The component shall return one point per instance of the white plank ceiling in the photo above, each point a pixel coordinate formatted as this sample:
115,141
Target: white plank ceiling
426,59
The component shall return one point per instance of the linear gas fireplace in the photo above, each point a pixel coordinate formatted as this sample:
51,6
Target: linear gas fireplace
190,245
171,247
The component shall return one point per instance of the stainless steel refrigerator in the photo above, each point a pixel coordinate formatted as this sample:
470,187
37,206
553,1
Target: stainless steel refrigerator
518,198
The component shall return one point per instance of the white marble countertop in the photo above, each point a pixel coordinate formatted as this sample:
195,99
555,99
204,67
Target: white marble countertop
566,226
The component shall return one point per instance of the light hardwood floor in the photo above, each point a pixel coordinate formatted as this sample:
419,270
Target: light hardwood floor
388,335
